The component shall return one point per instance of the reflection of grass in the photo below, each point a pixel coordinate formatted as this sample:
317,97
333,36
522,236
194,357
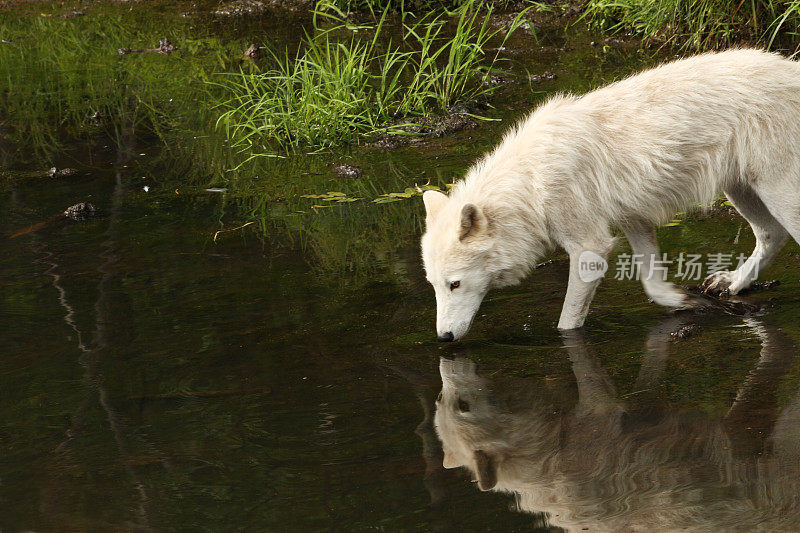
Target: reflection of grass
64,77
344,243
334,92
701,24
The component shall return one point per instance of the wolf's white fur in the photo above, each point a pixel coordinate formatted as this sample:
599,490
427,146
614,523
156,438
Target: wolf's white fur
629,155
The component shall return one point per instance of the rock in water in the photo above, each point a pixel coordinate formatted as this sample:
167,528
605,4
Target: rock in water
81,211
61,173
253,52
165,47
544,76
685,331
347,171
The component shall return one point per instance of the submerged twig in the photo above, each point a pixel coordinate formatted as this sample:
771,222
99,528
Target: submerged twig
77,213
37,226
231,229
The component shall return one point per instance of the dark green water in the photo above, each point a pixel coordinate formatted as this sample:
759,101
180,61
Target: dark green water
285,376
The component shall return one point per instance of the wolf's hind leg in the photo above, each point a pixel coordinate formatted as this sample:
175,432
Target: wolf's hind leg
770,238
642,238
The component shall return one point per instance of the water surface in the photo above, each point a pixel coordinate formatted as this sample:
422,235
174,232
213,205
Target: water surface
285,375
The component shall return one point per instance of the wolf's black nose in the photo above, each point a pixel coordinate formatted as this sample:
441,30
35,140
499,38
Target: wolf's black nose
446,337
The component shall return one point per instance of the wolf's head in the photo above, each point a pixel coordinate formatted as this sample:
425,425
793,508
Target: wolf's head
456,250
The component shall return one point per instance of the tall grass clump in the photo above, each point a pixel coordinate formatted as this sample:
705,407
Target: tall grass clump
333,92
699,24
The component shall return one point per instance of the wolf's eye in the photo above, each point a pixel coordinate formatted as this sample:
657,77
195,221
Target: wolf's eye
454,285
439,398
463,406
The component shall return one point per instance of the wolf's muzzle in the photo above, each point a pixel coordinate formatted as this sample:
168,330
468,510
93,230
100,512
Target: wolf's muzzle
446,337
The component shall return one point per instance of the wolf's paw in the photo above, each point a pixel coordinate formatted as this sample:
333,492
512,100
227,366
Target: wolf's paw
721,284
670,296
692,302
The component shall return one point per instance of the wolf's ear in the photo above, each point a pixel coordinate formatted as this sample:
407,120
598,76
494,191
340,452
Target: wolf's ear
473,221
433,200
486,470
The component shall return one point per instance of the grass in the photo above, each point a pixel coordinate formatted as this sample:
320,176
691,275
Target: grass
333,92
63,79
699,24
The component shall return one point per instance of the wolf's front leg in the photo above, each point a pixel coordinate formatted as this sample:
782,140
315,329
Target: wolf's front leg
581,288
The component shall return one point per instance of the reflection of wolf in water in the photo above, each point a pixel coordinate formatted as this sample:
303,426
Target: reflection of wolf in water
592,465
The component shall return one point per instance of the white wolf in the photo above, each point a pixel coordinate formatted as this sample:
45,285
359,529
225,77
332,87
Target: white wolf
628,155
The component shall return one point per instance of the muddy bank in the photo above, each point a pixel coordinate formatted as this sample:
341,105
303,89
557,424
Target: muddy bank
244,8
419,130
